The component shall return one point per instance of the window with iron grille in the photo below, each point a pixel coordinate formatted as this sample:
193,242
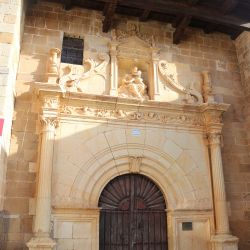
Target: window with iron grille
72,50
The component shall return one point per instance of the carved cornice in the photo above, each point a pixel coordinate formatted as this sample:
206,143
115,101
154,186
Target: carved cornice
56,103
213,116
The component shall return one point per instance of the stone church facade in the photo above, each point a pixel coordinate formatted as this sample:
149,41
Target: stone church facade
175,117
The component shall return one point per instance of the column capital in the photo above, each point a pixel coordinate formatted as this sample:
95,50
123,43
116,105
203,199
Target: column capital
49,123
214,138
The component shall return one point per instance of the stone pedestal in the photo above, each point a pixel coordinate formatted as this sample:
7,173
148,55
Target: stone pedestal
224,242
41,243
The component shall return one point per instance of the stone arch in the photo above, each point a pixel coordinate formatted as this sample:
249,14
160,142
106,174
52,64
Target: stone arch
155,166
83,170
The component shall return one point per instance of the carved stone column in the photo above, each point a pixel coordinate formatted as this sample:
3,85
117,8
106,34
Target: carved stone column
41,239
154,88
113,69
222,240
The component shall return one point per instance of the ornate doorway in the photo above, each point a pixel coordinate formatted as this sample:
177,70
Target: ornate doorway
133,215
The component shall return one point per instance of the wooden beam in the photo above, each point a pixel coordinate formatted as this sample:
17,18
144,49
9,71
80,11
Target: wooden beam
193,2
209,28
177,21
67,4
235,34
228,6
144,16
200,12
180,29
109,11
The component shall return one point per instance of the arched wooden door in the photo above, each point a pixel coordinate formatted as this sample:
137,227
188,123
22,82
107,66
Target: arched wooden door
133,215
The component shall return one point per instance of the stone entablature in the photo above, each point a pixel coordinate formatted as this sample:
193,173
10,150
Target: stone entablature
80,105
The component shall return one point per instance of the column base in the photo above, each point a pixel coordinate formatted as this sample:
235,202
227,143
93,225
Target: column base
224,242
41,243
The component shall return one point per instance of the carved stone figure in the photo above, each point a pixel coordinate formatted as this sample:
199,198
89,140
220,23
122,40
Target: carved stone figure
53,65
133,86
207,89
53,61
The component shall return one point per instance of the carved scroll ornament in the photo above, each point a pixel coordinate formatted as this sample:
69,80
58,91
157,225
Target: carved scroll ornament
191,94
73,75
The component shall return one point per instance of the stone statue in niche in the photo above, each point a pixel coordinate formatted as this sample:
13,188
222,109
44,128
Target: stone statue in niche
132,85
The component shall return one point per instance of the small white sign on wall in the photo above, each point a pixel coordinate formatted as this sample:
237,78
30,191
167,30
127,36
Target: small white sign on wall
136,132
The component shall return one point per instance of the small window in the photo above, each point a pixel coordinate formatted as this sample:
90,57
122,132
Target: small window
187,226
72,50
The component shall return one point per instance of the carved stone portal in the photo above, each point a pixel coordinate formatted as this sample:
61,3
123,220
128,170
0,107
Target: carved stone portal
132,85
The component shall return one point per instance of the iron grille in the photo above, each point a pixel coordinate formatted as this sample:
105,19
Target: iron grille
72,50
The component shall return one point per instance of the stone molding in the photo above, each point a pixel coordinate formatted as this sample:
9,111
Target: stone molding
54,101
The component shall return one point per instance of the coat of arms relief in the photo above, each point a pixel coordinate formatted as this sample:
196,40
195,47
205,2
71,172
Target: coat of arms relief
134,68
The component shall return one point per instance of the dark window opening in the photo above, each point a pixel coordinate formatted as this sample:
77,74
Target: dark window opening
187,226
72,50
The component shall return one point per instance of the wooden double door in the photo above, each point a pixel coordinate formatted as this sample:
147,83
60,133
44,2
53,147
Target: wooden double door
133,215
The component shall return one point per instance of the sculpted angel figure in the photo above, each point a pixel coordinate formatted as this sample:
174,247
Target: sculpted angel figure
133,86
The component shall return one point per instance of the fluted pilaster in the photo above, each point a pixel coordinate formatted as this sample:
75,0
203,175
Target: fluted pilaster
222,240
221,214
43,200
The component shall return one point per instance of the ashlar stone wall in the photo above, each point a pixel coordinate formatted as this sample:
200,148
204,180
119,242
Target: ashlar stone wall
45,24
11,29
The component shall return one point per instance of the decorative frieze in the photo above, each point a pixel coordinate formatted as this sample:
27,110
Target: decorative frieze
143,116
